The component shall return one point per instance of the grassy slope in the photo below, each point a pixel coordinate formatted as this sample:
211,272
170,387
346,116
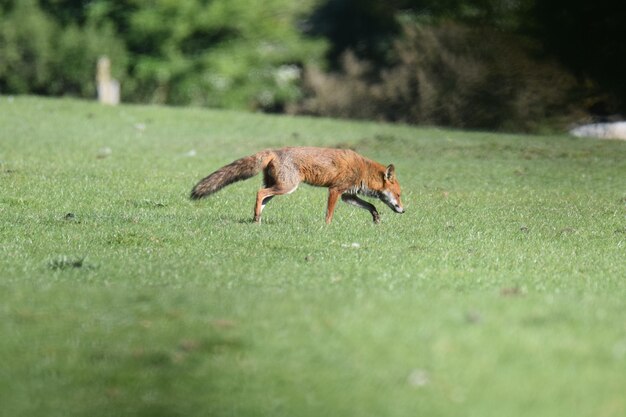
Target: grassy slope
501,291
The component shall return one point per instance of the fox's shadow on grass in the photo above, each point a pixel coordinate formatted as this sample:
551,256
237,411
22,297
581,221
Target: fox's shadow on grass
64,262
248,220
226,219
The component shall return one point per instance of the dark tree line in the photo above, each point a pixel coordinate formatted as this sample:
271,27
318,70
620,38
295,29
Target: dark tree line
589,37
419,61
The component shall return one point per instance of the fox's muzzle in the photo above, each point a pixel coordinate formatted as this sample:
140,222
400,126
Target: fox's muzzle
392,202
397,207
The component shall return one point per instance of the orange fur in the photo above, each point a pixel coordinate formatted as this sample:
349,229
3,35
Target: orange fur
344,172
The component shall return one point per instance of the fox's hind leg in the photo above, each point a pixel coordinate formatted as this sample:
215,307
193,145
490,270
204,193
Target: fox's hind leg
266,194
356,201
276,181
261,201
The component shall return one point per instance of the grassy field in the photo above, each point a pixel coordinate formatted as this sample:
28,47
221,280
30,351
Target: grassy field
501,291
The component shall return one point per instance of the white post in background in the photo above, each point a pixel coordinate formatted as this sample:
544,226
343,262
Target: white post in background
108,88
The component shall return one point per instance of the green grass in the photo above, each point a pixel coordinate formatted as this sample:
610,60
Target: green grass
501,291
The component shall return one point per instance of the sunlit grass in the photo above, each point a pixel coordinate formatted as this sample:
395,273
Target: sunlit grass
500,292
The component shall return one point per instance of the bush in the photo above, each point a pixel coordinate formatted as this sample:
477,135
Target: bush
26,49
77,53
38,56
219,53
448,75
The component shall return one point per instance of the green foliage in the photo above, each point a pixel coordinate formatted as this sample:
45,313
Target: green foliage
42,57
77,51
247,54
500,292
220,53
26,49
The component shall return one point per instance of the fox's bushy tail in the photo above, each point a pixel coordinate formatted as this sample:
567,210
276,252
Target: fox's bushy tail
238,170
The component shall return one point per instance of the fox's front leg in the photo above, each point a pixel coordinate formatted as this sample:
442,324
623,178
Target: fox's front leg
333,195
356,201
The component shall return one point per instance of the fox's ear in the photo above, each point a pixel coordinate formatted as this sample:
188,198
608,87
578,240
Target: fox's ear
390,173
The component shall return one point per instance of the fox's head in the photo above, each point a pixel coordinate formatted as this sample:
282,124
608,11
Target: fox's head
391,192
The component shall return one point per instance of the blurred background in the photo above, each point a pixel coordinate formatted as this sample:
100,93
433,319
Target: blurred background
504,65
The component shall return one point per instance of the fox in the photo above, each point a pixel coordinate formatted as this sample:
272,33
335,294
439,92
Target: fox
344,172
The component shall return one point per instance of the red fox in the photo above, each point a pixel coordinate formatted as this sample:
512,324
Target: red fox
344,172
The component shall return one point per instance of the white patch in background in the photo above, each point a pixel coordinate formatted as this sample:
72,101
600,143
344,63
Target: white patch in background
616,130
